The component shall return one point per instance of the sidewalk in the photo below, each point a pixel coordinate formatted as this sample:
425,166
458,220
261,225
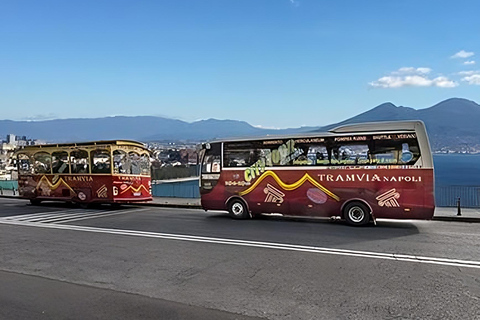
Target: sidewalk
193,203
441,213
451,214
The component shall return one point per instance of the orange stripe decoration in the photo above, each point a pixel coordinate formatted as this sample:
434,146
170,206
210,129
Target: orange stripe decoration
289,187
135,189
52,186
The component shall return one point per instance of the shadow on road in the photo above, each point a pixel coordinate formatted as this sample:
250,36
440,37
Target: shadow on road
311,231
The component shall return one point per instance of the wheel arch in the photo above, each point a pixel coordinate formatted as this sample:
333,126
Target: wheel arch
236,197
363,201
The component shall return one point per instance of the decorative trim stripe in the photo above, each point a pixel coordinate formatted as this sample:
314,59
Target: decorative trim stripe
289,187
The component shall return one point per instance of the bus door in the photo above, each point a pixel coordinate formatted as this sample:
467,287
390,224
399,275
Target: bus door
211,167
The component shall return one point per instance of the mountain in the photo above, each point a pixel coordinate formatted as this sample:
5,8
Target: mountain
142,128
451,124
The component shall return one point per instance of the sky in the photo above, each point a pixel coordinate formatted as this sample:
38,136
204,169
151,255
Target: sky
271,63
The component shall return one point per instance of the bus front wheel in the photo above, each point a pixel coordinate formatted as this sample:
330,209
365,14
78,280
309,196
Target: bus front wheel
238,209
356,214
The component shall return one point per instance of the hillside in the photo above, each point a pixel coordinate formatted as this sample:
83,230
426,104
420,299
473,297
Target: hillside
452,124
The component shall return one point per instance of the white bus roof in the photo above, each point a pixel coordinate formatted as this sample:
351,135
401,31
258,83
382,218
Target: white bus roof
358,128
379,126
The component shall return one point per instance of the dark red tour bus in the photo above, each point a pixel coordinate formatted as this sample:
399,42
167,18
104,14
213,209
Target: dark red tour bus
358,172
89,172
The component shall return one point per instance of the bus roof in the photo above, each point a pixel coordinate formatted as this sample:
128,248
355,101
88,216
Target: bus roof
360,128
379,126
87,143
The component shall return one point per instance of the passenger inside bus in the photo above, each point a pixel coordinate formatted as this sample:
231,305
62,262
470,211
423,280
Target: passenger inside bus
59,166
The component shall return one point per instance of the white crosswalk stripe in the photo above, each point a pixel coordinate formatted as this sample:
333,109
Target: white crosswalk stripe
65,216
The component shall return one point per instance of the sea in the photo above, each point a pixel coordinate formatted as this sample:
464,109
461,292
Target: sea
457,169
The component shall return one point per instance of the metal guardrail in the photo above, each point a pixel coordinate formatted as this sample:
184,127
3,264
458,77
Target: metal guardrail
10,185
445,196
448,196
176,188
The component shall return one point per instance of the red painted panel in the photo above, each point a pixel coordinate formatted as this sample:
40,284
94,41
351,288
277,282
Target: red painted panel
85,188
391,193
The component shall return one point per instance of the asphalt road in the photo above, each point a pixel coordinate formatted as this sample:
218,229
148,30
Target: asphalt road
61,262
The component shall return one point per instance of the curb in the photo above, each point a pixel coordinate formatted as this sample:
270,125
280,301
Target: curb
457,219
196,206
147,204
170,205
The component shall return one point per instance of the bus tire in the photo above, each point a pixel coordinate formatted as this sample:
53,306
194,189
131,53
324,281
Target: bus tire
35,202
238,209
356,214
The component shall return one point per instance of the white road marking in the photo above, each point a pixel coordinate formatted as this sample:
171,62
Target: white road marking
93,216
66,216
259,244
38,214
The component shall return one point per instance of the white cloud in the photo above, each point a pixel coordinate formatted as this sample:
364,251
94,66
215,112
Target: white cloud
471,76
473,79
412,70
444,82
41,117
462,55
412,77
469,62
468,73
295,3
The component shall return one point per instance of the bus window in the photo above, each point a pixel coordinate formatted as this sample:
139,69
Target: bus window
353,154
396,151
134,163
145,164
246,154
60,162
237,158
312,155
348,151
43,162
319,154
100,161
211,163
79,161
121,162
24,164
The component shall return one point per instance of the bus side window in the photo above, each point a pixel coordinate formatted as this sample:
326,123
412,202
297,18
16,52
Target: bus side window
60,162
79,161
317,155
24,164
43,162
145,164
121,162
100,161
134,163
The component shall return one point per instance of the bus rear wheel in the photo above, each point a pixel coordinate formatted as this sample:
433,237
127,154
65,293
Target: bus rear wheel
356,214
238,209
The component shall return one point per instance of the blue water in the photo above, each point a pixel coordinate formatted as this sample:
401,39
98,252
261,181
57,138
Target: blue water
457,170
